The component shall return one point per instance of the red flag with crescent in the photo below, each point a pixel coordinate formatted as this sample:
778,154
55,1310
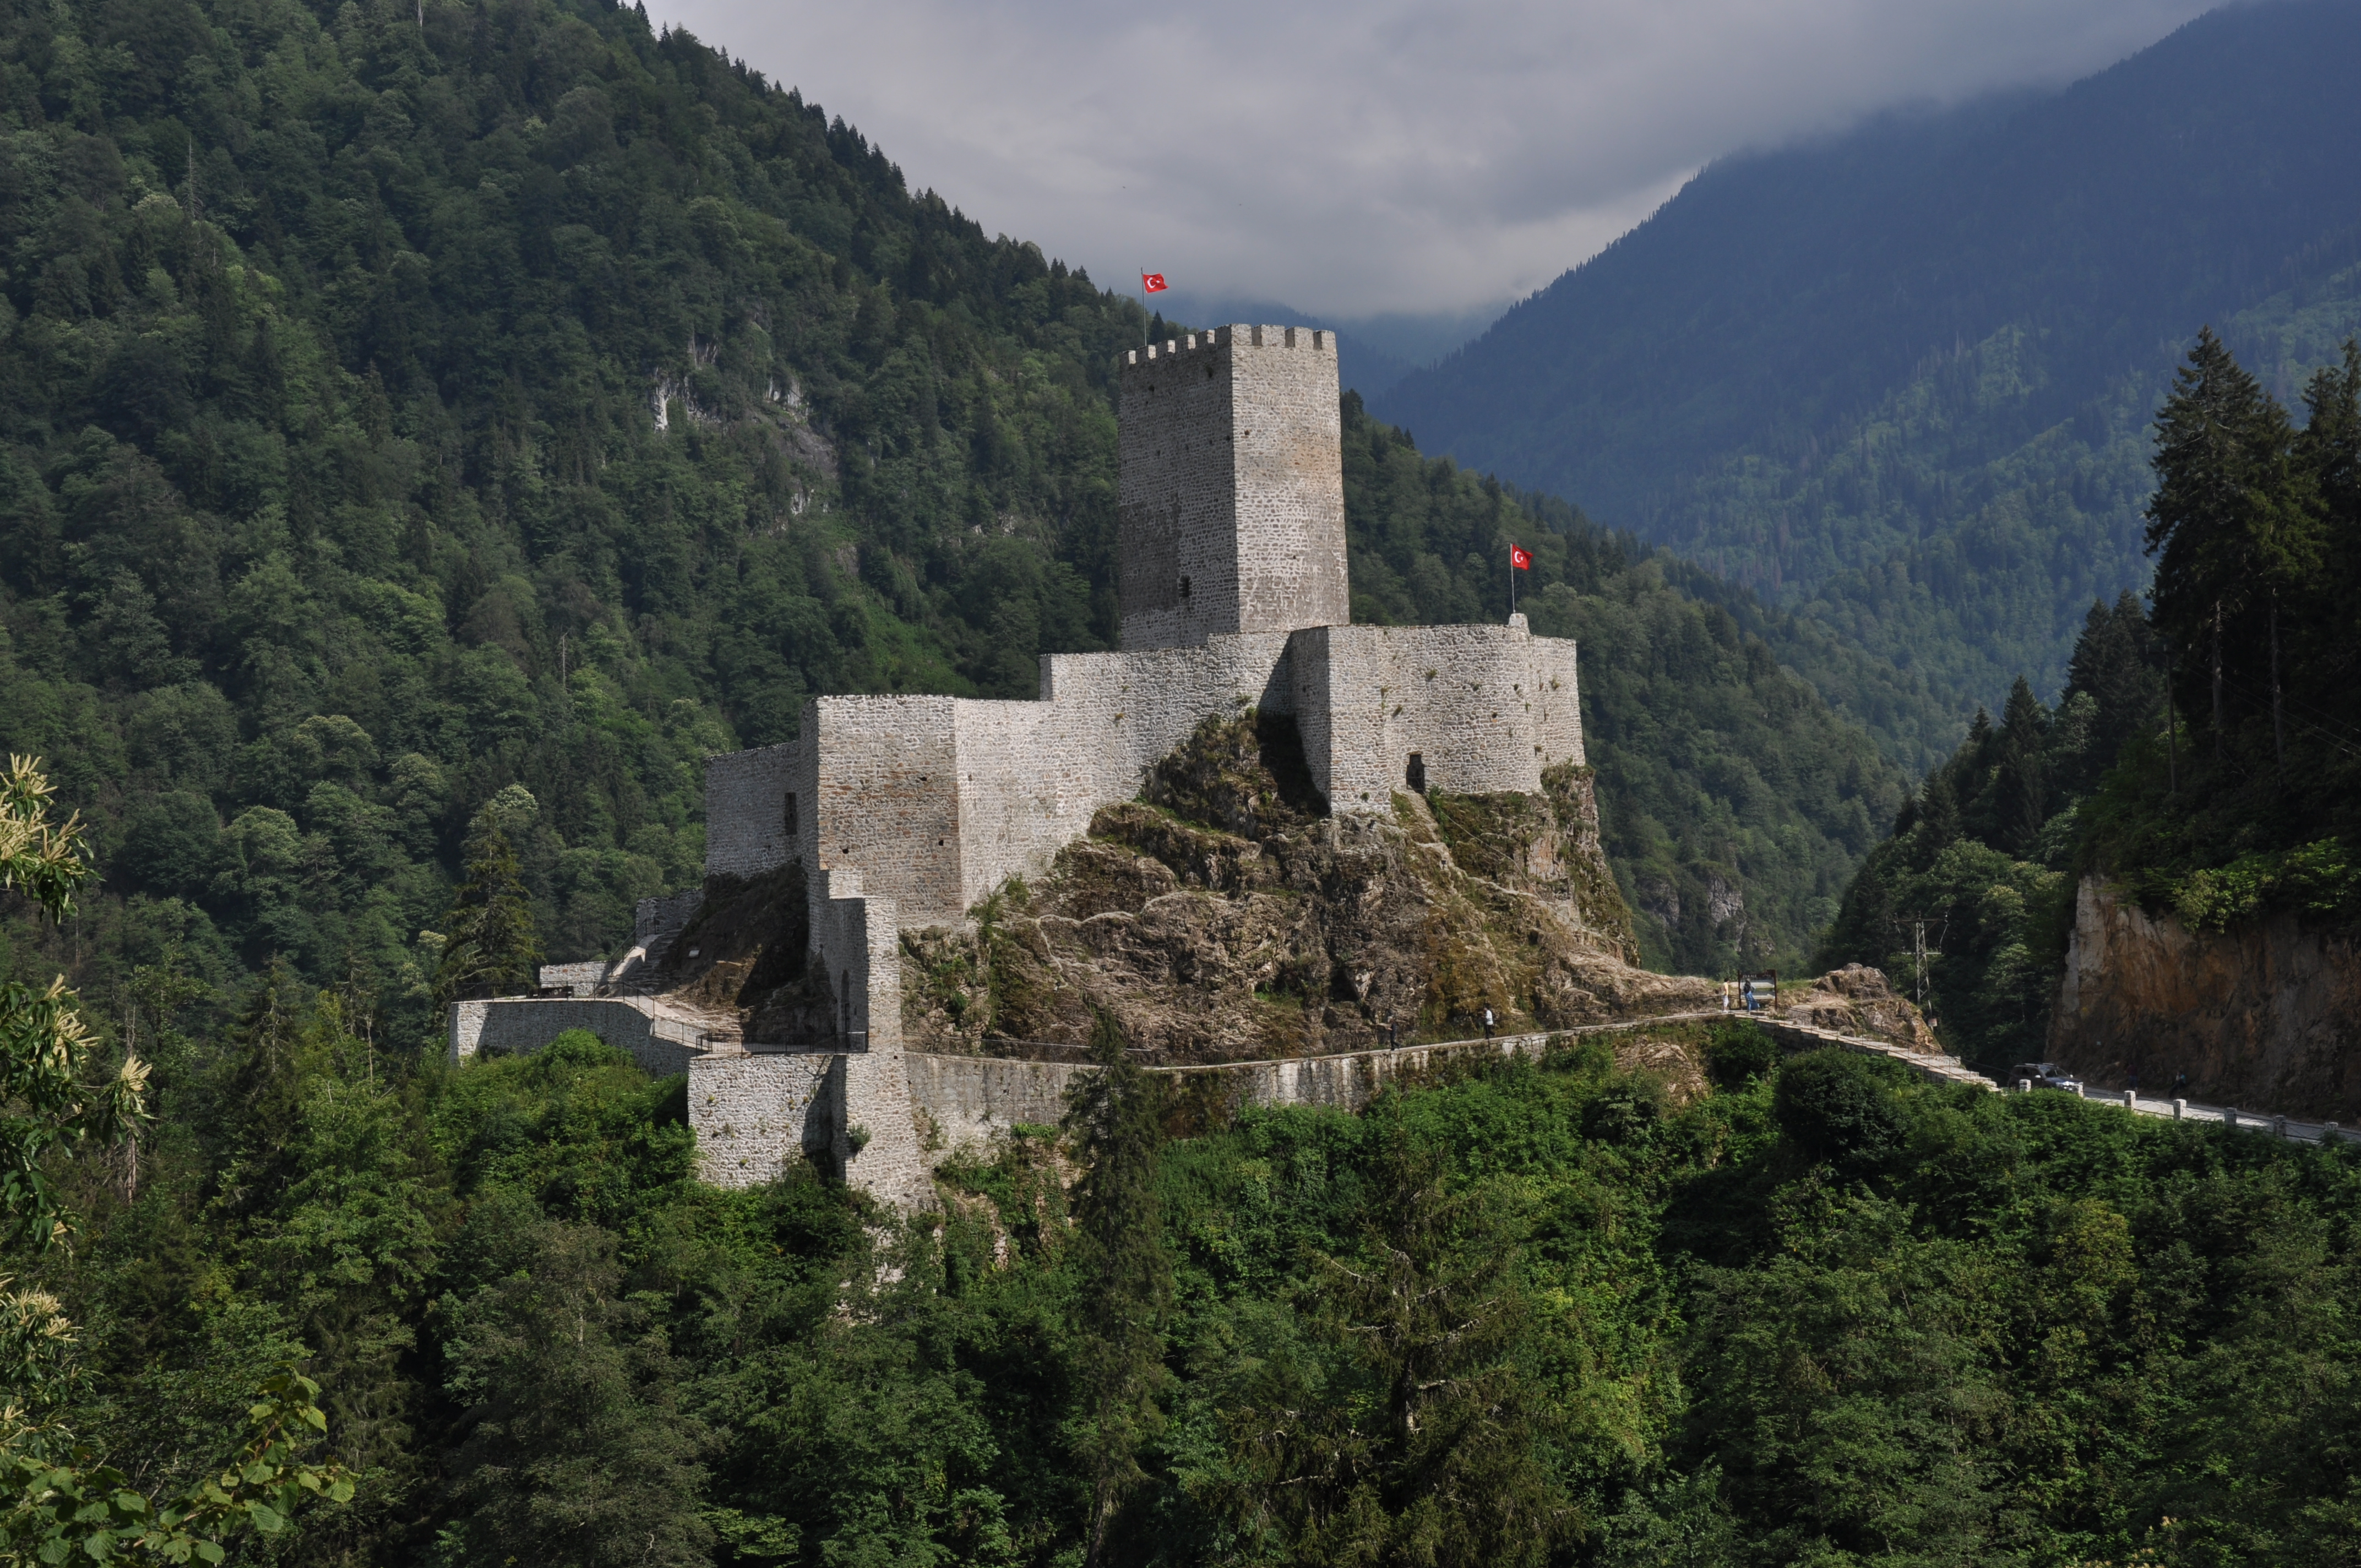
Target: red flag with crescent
1519,558
1151,282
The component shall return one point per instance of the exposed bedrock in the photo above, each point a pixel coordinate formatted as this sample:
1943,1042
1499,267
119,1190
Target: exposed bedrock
2261,1017
1225,916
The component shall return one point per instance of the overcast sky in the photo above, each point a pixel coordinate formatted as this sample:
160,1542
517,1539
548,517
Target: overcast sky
1381,155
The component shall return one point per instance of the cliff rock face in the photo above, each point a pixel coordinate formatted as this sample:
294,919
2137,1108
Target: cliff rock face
1225,916
2262,1017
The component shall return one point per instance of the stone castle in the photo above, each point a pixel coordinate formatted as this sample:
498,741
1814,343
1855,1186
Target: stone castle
904,813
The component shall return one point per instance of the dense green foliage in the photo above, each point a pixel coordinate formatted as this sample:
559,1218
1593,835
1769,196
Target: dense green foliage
1826,1315
1900,379
2246,805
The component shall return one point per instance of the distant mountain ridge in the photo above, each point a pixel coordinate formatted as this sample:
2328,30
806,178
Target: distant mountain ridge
1900,379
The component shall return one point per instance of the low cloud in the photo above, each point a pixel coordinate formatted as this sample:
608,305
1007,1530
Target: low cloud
1400,155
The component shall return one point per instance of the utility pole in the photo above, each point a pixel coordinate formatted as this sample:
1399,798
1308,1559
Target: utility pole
1919,951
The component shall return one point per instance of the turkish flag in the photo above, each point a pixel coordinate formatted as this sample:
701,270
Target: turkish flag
1519,558
1152,282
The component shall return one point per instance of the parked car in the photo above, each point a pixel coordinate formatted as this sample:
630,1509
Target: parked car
2045,1075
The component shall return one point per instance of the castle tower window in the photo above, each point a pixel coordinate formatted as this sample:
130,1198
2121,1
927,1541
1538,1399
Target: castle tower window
1184,588
1415,775
789,815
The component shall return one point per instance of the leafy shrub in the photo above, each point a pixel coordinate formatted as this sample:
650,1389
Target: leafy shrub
1738,1052
1836,1106
1625,1113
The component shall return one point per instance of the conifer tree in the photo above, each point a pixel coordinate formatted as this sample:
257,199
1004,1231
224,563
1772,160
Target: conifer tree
2230,522
2116,662
1427,1453
2020,795
490,946
2328,452
1117,1118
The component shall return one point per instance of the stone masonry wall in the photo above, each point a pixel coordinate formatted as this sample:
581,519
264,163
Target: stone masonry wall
662,1044
755,1115
1291,479
1484,709
856,940
965,1101
745,810
1032,774
1231,496
884,799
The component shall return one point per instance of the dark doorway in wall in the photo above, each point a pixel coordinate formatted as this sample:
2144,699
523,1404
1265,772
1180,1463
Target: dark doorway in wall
1415,775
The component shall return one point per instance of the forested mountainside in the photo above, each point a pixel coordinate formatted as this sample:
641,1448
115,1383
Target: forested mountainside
419,417
1900,379
405,410
2238,798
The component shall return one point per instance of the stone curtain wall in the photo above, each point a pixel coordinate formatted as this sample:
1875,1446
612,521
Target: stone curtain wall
886,801
856,940
659,1039
1031,774
966,1102
745,811
938,801
756,1115
1231,493
1485,708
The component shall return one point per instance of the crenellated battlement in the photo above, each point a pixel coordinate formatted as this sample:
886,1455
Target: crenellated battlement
1315,340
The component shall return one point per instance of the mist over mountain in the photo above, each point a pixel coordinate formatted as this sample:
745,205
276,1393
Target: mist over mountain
1900,379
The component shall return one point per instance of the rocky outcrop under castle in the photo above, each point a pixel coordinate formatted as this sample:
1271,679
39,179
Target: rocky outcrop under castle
2267,1017
1226,915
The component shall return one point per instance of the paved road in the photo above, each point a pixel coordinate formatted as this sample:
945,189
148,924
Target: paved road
1950,1070
2188,1111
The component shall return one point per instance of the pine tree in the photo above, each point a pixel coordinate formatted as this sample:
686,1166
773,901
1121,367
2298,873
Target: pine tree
2020,791
2116,664
2229,522
490,946
1116,1117
2328,452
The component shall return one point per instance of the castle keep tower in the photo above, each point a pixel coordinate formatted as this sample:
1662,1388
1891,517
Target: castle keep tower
1233,487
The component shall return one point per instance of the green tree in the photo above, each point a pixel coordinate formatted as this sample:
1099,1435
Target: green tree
60,1500
1115,1115
2229,522
2020,786
578,1453
490,946
45,1048
1421,1442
